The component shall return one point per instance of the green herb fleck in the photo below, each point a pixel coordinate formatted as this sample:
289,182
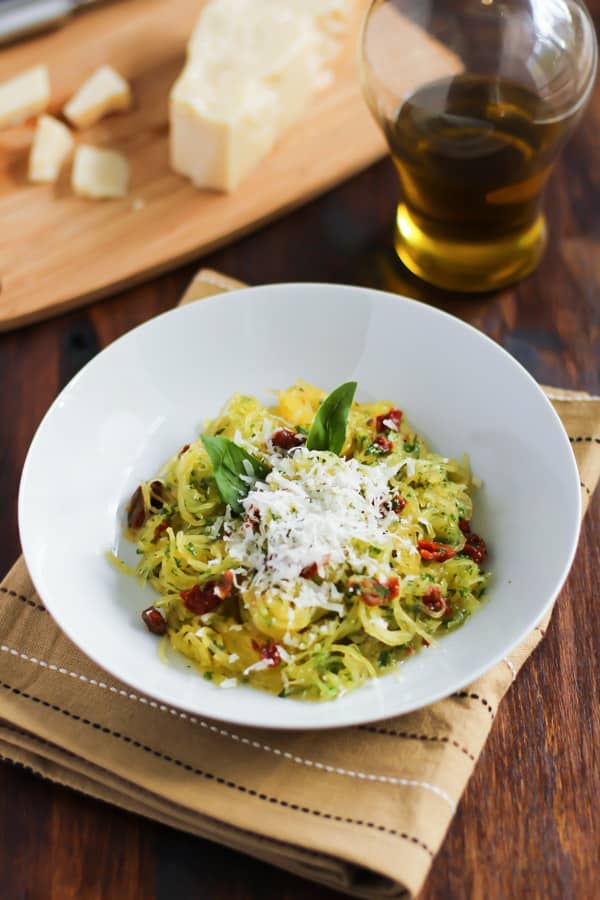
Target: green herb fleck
374,450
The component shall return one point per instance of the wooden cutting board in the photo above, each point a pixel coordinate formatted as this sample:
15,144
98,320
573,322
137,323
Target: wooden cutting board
58,251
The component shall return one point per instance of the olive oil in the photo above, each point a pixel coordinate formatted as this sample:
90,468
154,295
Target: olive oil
473,154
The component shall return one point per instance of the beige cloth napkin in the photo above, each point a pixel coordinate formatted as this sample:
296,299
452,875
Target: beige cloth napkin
361,809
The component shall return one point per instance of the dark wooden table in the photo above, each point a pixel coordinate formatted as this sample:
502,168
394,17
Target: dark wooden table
529,822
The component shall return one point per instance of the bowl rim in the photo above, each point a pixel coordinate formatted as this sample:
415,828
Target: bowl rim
27,536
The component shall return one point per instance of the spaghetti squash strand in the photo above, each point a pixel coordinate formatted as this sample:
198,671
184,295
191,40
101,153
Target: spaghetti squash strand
319,584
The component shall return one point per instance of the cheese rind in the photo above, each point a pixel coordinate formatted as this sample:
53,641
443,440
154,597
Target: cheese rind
99,174
104,91
28,94
52,144
252,68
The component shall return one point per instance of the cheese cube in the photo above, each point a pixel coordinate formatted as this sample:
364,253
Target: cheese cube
105,91
25,95
252,68
99,173
52,144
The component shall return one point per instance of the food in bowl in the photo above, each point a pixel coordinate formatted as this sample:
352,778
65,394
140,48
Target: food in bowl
308,547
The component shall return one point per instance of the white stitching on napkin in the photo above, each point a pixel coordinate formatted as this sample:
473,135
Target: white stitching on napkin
511,667
572,399
216,280
259,837
238,738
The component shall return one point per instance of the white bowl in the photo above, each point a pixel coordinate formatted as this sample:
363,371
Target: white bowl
148,393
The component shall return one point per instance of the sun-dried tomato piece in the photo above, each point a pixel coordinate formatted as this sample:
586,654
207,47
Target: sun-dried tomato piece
372,591
432,550
475,548
154,621
203,598
389,421
157,493
435,604
432,599
269,651
160,529
465,526
382,445
396,504
136,511
310,571
184,449
200,600
286,439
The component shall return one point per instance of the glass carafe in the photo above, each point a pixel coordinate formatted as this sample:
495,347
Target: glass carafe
476,98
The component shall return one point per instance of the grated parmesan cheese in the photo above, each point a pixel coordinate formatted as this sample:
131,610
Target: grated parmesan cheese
286,657
314,507
258,666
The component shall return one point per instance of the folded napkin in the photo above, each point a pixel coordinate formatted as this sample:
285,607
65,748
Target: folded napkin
363,809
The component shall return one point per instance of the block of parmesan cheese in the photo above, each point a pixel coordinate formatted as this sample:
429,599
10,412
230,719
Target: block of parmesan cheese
331,19
99,173
104,91
252,67
52,144
25,95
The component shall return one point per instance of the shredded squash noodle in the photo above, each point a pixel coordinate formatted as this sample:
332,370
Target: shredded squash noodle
324,570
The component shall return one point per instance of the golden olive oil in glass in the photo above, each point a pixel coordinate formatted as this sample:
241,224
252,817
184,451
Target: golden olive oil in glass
473,154
477,98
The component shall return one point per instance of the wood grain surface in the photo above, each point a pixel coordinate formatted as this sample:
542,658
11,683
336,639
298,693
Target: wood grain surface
58,251
529,823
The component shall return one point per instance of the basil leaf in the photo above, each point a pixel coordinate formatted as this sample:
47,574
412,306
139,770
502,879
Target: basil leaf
228,466
328,430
